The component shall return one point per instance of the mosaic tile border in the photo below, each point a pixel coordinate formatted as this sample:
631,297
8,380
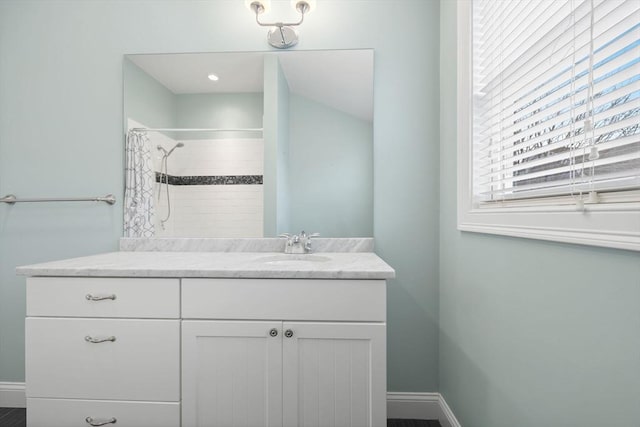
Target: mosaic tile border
212,180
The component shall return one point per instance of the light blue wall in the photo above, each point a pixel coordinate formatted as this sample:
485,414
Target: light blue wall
61,134
331,156
276,149
219,111
272,78
149,102
283,197
532,333
146,100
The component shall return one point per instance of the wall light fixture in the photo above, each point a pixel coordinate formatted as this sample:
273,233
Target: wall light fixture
282,35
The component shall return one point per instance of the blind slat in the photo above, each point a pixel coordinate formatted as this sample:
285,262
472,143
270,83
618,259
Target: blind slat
546,44
622,130
562,154
511,179
556,188
548,141
604,65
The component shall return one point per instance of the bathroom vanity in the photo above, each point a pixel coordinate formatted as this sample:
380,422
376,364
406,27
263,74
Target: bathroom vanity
146,338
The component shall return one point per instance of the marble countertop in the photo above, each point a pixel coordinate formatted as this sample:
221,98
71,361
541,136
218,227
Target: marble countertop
322,265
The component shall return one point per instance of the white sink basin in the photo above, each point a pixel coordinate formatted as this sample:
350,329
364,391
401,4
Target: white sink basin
293,259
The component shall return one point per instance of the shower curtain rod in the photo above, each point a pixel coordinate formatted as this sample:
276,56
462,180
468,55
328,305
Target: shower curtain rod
196,130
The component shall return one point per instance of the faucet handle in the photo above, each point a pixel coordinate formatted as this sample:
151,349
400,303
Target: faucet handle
288,237
304,234
307,241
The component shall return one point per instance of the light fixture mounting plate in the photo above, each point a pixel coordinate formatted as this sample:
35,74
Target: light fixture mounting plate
282,37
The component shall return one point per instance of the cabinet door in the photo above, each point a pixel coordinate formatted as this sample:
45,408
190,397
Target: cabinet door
231,374
334,374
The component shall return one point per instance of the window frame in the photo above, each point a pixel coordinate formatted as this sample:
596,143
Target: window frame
613,222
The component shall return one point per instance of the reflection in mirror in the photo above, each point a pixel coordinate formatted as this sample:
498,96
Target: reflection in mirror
249,144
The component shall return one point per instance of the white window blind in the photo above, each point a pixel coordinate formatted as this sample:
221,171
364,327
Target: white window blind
556,98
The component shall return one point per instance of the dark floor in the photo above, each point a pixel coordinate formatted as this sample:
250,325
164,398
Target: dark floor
17,417
413,423
13,417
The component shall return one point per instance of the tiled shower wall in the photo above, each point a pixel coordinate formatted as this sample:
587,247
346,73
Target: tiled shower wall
206,199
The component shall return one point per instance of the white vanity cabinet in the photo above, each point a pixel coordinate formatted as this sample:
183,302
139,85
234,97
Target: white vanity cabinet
210,344
102,350
283,352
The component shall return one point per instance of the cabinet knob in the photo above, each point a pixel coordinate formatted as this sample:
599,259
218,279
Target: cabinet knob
93,422
99,340
90,297
273,332
288,333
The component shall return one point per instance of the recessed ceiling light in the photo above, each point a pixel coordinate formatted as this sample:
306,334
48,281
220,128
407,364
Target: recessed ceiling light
213,77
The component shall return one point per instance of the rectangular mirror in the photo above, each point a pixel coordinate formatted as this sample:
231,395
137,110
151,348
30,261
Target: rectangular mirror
249,144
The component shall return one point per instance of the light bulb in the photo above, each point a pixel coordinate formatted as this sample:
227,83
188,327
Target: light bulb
310,3
264,4
213,77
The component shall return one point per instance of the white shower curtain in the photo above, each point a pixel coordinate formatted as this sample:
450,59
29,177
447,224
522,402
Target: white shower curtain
138,194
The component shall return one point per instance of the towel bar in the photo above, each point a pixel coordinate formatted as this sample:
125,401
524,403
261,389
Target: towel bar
109,198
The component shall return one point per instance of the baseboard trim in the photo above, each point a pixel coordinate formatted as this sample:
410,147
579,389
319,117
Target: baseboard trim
431,406
448,413
12,395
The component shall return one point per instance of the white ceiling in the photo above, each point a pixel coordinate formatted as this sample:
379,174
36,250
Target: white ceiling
341,79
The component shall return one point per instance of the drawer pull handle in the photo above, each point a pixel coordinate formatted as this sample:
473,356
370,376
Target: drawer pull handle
288,333
98,298
273,332
93,422
99,340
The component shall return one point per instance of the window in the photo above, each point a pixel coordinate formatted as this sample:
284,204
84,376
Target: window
549,120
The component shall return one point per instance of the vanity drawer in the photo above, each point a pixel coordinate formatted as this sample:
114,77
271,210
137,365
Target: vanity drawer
286,299
142,362
74,413
94,297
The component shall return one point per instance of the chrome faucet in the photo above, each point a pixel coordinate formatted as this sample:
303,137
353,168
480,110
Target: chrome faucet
298,243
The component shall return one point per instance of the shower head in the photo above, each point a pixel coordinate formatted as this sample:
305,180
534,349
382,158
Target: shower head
179,144
168,153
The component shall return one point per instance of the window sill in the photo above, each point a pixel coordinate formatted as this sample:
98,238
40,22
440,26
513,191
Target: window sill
618,229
